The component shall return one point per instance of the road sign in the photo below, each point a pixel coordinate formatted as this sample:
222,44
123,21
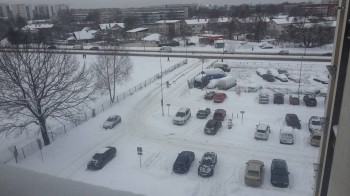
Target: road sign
139,150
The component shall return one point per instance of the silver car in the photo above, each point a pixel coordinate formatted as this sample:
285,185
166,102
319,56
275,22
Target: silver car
112,121
263,98
262,132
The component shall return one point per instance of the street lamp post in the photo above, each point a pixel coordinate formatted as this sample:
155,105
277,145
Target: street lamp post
202,74
161,84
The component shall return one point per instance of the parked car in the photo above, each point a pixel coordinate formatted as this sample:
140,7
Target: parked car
315,123
254,173
209,95
278,98
207,164
279,173
261,72
315,138
282,78
215,73
283,52
183,162
213,83
287,135
190,44
310,100
267,46
52,47
293,121
294,78
201,114
283,71
254,88
201,81
101,158
223,66
182,116
294,100
268,77
219,114
219,97
262,132
263,98
273,72
112,121
212,127
94,48
226,83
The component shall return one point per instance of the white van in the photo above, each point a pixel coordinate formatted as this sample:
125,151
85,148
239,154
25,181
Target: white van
287,135
78,47
226,83
165,49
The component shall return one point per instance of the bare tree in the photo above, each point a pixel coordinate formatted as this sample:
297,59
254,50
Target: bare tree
111,70
39,85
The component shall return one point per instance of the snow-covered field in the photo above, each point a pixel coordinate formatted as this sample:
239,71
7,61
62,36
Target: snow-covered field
144,126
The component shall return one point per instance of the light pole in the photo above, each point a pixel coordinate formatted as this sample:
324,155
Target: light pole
223,50
161,84
202,74
301,66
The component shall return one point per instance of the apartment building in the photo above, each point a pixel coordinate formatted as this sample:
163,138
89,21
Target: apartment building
5,10
46,11
23,10
150,15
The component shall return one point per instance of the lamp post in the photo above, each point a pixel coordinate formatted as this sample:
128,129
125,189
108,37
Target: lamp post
223,50
301,67
202,74
161,84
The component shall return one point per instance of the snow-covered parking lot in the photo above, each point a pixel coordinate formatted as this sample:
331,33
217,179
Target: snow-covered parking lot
144,126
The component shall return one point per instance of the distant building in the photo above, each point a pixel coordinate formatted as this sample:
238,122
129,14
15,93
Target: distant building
86,35
197,25
168,27
5,11
23,10
276,26
151,40
150,15
137,34
110,31
46,11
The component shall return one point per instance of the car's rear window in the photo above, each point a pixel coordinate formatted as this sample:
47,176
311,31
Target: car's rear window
180,114
253,173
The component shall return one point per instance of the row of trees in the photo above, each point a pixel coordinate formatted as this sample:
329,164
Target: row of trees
37,86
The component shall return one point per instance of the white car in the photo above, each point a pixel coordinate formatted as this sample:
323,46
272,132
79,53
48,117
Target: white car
315,123
261,71
213,83
262,132
112,121
287,135
182,116
282,78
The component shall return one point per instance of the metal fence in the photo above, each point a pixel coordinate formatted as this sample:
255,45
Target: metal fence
21,151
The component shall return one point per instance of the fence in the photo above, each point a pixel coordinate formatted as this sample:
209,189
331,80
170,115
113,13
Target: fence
25,150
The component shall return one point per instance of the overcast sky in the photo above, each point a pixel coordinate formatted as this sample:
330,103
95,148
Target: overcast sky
141,3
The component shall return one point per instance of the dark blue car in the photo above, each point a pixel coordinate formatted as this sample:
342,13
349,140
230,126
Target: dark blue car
183,162
279,173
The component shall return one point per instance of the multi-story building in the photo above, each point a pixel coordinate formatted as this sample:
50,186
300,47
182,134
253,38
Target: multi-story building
151,15
46,11
23,10
5,10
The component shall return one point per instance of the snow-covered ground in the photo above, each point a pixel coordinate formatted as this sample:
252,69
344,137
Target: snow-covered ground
144,126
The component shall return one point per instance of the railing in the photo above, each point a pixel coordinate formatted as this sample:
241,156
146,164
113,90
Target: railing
21,151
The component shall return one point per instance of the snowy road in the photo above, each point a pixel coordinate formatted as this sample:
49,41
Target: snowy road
143,125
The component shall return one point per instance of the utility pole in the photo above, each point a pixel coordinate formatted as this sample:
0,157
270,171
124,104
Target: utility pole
161,85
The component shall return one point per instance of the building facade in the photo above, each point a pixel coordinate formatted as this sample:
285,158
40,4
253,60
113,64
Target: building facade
22,10
5,11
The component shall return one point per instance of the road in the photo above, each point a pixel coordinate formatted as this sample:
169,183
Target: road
197,55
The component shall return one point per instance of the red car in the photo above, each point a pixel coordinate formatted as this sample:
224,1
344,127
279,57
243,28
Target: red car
219,97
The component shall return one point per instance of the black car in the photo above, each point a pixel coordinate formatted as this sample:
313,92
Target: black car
190,44
207,164
278,98
203,113
310,100
52,47
279,173
293,121
94,48
268,77
212,127
183,162
101,158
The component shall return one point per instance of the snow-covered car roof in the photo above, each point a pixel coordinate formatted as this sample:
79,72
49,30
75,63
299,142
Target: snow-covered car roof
262,126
